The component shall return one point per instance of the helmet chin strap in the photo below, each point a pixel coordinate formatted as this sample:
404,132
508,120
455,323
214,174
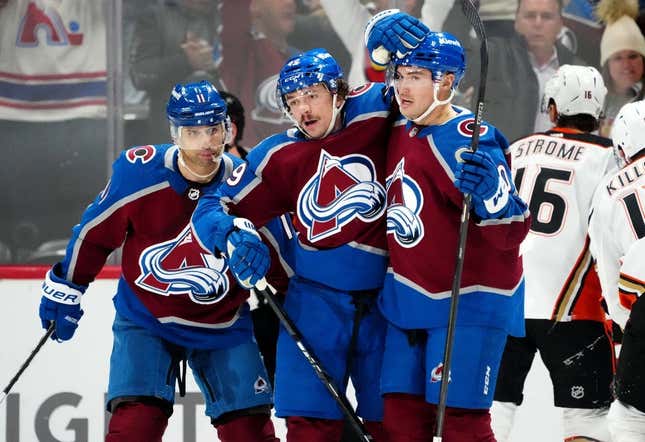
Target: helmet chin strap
334,114
181,161
435,102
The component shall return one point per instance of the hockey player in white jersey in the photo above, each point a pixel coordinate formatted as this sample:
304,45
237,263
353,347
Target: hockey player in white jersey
556,172
617,232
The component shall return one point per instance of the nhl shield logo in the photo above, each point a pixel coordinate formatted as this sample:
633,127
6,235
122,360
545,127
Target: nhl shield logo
577,391
193,194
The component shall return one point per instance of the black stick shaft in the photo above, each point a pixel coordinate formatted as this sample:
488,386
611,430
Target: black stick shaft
470,10
25,364
322,374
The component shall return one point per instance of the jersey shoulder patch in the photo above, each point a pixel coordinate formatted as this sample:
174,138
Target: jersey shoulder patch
141,166
366,99
141,154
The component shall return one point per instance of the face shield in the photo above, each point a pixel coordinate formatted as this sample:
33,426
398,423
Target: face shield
211,137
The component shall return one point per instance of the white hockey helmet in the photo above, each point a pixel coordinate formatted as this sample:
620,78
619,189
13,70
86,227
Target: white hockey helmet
575,90
628,130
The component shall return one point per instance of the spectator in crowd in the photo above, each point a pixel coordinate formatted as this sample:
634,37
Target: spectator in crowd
584,28
519,67
622,57
313,29
52,117
349,18
497,16
173,41
617,232
563,309
236,114
255,46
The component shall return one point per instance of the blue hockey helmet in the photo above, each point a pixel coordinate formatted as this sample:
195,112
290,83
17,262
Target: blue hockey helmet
440,53
307,69
196,104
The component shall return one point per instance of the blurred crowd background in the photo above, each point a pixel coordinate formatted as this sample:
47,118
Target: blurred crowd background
80,80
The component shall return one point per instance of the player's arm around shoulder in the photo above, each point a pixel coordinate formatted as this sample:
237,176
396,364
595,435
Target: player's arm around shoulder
211,222
373,99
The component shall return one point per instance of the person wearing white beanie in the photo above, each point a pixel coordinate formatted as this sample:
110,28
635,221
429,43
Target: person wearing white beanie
622,57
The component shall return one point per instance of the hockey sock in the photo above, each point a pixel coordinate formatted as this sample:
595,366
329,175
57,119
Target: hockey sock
408,418
467,425
376,430
137,422
248,428
310,429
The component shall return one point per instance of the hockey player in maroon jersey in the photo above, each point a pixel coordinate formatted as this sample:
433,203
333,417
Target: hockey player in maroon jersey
175,301
617,232
556,172
429,168
327,171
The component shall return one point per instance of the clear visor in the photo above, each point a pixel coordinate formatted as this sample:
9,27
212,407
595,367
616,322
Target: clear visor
393,78
305,96
203,137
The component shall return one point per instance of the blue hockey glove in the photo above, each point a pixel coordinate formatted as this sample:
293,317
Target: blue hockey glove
61,302
487,183
248,256
392,31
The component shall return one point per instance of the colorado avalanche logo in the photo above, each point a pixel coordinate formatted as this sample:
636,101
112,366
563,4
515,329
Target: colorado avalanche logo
266,107
404,206
360,90
180,266
140,153
467,128
343,188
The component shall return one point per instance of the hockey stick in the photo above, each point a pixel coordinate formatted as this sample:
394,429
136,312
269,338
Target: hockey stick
347,409
24,366
470,10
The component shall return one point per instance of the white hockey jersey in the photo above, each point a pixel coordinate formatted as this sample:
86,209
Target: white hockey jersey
617,232
556,172
52,60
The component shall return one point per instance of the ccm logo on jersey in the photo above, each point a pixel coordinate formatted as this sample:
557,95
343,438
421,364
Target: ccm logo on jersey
466,128
140,153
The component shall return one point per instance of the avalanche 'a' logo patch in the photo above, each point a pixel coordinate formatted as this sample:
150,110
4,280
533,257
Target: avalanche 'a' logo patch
343,188
405,202
182,267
